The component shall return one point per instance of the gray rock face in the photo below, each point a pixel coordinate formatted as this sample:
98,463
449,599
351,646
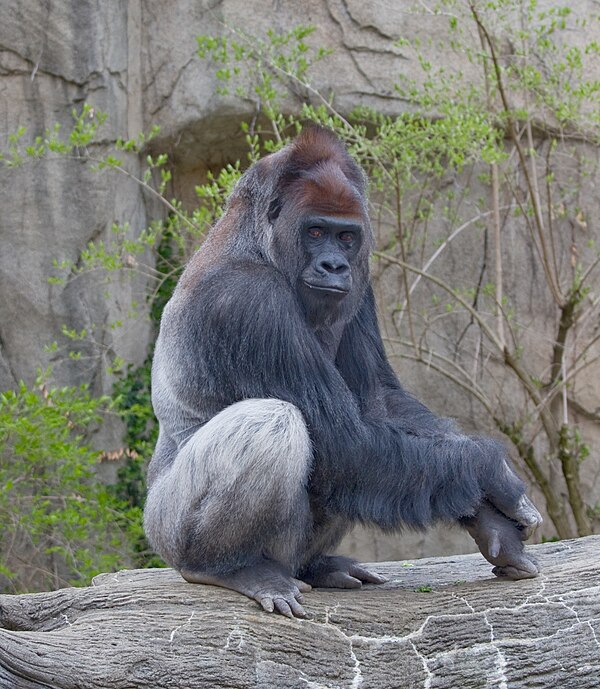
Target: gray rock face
437,624
53,57
203,127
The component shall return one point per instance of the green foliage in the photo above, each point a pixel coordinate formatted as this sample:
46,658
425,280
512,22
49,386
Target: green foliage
132,402
267,64
131,396
85,128
59,523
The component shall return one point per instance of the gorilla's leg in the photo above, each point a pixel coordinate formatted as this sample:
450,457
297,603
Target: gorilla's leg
232,510
332,571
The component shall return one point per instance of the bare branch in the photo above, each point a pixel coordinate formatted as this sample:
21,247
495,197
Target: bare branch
450,376
445,243
444,285
551,278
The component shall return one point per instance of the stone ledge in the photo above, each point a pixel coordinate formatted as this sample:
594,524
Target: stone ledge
438,623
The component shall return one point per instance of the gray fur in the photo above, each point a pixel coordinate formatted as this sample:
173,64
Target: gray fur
257,447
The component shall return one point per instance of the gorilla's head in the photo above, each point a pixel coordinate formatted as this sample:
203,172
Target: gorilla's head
302,210
319,232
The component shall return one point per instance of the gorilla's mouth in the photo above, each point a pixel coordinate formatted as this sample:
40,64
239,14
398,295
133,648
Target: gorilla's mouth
331,289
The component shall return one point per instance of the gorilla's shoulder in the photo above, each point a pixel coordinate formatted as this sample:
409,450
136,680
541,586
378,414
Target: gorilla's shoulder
227,274
233,289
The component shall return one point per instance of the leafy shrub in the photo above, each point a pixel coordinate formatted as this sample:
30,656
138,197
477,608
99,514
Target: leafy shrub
60,525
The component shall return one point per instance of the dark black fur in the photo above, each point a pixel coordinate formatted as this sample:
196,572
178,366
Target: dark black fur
379,455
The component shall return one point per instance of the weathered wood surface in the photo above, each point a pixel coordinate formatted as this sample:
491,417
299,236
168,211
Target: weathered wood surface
149,628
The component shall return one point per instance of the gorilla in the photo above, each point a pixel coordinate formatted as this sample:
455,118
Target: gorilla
281,420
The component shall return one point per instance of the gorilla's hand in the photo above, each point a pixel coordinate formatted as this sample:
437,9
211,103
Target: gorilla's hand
500,541
505,491
526,515
339,572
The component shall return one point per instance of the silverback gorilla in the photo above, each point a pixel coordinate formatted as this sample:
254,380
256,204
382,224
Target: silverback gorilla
281,420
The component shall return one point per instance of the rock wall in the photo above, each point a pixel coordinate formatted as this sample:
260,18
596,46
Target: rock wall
53,57
136,61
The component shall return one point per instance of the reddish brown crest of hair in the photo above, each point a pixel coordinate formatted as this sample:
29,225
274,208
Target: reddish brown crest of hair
321,175
325,189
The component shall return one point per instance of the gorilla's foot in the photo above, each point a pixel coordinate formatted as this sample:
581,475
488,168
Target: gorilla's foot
340,573
268,583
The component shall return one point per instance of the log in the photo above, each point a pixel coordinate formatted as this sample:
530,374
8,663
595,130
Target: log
438,623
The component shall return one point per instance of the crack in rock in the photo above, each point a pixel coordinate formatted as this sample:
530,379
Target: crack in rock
185,624
497,676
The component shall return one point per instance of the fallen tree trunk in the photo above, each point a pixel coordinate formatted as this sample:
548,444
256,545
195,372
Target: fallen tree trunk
439,622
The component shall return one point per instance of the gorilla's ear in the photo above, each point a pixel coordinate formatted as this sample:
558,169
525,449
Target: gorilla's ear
274,209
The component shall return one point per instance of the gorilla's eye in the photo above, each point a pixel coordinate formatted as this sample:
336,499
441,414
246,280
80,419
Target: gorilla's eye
346,236
315,232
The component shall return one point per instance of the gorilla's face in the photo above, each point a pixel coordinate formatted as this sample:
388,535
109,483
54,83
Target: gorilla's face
334,268
330,245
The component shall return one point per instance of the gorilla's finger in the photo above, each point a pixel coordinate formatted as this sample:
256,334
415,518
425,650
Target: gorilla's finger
515,573
342,580
302,585
296,608
283,607
494,544
365,575
266,604
528,516
348,582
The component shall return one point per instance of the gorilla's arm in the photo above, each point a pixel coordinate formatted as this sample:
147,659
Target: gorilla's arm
239,333
499,538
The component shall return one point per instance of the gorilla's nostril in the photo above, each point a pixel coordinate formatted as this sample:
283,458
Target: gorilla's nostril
335,267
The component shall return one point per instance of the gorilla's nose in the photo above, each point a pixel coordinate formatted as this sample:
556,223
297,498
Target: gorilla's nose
335,265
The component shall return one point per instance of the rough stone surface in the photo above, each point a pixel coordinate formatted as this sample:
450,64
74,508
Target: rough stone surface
438,624
53,57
